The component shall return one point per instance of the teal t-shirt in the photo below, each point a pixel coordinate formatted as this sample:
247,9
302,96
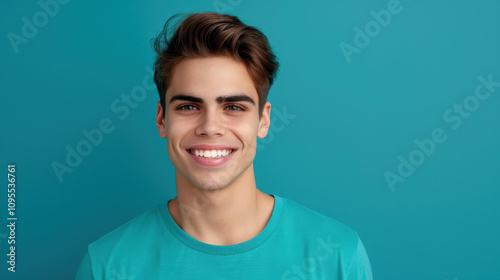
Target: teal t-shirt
297,243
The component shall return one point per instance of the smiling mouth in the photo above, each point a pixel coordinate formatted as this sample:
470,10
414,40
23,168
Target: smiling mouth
212,154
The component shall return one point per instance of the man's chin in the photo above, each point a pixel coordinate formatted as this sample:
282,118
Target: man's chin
208,180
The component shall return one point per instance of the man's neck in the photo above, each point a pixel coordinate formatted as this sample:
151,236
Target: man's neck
227,216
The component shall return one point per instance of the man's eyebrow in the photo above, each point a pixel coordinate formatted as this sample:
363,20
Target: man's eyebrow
185,97
234,98
220,99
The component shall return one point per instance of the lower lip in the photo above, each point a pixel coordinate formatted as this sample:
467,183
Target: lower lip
211,161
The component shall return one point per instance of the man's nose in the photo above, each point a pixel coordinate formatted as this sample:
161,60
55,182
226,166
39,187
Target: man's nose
210,124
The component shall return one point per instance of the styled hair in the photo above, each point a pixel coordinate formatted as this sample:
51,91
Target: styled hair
208,34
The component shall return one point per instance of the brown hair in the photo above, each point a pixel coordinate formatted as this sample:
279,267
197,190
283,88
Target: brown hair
207,34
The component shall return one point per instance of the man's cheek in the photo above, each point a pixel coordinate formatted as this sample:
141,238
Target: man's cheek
173,129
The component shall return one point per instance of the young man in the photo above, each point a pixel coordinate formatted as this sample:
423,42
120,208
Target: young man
213,76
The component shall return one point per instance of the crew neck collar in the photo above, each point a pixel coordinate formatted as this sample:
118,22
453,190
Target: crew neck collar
239,248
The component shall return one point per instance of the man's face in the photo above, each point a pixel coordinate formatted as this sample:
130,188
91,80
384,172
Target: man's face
212,121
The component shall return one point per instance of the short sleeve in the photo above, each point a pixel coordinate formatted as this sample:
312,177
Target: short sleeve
84,271
360,268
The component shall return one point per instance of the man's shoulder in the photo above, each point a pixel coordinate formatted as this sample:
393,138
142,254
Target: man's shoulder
303,214
130,235
315,225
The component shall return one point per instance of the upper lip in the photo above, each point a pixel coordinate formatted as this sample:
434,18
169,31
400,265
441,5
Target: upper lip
210,147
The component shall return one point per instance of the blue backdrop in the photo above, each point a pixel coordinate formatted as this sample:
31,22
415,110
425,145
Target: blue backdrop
386,118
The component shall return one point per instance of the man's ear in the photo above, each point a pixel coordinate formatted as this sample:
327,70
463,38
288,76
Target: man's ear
160,121
265,121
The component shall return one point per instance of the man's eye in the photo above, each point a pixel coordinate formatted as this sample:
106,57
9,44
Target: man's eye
186,108
235,108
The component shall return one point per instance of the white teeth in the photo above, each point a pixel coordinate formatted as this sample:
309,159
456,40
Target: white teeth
211,153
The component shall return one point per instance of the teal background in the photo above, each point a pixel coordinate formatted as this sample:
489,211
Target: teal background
350,123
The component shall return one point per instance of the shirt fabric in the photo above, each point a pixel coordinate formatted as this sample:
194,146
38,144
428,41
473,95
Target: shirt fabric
297,243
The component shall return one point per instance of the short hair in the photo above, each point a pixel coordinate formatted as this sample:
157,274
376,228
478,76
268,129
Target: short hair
208,34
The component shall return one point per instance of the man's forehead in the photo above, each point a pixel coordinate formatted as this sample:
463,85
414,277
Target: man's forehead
211,77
